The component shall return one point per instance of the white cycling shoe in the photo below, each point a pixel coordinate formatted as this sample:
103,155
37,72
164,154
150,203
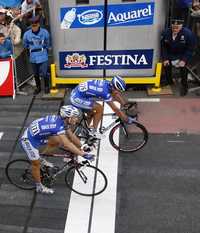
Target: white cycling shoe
96,134
44,190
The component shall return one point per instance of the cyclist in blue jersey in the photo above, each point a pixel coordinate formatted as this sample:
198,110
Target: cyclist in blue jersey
84,97
51,130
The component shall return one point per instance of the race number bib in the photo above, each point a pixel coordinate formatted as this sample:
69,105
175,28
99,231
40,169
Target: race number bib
83,87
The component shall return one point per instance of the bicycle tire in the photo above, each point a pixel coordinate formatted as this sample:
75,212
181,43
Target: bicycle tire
98,180
18,173
130,138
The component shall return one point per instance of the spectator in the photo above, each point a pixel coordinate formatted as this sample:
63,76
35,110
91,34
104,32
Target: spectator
8,28
29,4
36,40
29,9
195,8
2,16
6,48
177,44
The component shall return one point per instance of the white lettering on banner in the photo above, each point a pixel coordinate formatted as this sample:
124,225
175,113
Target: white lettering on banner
90,17
1,135
129,16
102,60
4,71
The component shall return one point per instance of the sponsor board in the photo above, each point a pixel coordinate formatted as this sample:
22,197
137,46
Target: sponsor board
117,15
117,59
7,87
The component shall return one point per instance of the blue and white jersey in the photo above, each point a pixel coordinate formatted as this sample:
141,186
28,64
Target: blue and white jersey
40,129
100,89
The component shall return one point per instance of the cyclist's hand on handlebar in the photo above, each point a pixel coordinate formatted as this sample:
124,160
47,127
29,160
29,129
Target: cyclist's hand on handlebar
131,120
86,148
89,157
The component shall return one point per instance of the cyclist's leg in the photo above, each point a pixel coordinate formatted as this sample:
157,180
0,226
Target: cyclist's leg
97,114
34,157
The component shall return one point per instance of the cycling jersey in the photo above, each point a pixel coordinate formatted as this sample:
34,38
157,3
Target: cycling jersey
39,130
85,94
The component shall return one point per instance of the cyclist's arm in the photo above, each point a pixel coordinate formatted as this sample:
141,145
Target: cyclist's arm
119,113
73,138
117,96
68,145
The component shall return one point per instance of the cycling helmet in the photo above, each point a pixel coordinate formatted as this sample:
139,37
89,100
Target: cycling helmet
69,111
118,83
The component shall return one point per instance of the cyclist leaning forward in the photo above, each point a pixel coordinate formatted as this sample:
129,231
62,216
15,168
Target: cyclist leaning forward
53,130
84,97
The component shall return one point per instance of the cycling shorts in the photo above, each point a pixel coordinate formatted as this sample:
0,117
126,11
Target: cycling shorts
31,151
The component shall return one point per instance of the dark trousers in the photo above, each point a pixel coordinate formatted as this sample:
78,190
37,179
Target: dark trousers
41,69
183,74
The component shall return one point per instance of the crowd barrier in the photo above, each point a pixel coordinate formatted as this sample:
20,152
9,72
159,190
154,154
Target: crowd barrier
23,69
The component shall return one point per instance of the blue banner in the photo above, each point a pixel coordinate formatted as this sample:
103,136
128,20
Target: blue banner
10,3
117,59
117,15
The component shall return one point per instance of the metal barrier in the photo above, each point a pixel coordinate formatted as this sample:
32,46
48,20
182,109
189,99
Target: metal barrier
55,80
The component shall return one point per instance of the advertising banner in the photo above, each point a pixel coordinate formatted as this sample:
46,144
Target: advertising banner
117,59
7,87
117,15
10,3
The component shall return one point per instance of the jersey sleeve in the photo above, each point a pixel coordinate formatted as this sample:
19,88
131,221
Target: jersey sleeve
107,97
60,128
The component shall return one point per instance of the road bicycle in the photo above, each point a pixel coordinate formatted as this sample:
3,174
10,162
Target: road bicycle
123,137
80,177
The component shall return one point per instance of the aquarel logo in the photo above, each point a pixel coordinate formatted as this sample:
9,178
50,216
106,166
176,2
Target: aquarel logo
90,17
130,16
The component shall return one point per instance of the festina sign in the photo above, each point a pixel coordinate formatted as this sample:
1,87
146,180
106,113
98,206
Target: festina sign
117,59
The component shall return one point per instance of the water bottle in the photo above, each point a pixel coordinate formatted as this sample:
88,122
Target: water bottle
68,19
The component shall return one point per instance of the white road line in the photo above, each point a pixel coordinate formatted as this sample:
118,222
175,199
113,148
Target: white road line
104,211
156,100
104,208
1,135
176,141
78,214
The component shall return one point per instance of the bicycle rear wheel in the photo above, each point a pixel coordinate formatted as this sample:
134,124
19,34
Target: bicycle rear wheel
128,138
19,174
86,180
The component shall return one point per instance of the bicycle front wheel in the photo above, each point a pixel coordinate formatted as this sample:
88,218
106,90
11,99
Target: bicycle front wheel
86,180
128,138
19,174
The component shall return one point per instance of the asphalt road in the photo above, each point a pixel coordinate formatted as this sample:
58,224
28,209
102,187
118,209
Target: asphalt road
157,191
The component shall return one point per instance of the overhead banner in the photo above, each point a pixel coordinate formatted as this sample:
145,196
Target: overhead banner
7,87
117,15
113,59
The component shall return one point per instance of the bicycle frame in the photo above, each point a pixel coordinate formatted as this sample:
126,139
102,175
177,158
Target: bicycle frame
65,166
102,129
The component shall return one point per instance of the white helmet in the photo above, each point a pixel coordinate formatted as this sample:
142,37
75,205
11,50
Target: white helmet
69,111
